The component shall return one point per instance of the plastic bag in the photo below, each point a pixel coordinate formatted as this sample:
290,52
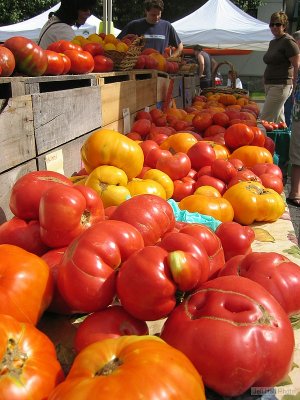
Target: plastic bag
193,217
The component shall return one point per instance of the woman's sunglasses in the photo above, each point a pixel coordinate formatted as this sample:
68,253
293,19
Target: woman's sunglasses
278,24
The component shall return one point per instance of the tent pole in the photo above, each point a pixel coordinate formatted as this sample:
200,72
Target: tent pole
109,16
105,16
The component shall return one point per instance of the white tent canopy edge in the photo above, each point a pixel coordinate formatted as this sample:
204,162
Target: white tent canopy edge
221,24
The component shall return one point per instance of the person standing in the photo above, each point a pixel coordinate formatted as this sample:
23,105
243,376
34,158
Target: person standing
59,24
206,66
282,62
294,152
157,32
238,82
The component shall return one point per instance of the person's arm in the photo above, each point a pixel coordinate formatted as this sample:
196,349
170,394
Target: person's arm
201,64
295,61
178,51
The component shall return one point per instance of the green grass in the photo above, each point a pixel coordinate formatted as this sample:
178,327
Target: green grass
257,95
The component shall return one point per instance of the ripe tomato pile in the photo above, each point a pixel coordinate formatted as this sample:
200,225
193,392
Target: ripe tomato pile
103,248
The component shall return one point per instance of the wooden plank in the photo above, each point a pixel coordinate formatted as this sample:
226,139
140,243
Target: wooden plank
119,125
146,87
117,93
7,180
162,87
179,101
13,86
71,159
64,115
178,85
17,133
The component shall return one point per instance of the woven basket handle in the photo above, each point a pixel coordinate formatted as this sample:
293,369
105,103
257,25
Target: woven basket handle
231,67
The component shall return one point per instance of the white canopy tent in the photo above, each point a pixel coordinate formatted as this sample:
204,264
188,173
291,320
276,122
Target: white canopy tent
221,24
31,27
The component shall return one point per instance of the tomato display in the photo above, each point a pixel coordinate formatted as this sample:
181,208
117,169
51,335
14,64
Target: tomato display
82,62
235,333
30,58
27,356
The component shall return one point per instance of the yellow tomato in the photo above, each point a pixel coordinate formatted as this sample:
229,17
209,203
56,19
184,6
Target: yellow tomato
146,186
179,142
78,179
162,178
216,207
207,190
93,37
110,183
108,147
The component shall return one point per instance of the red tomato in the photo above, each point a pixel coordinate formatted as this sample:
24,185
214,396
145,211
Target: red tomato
82,62
55,46
67,211
151,215
270,144
96,49
25,234
202,121
235,333
235,238
154,155
64,45
211,242
223,170
238,164
55,65
201,154
53,259
271,181
103,64
33,184
67,63
183,187
275,272
177,166
152,296
238,135
7,61
259,137
205,180
26,284
86,276
267,168
27,355
221,118
30,58
243,175
112,322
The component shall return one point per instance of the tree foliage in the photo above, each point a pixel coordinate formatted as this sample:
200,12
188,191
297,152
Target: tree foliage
123,10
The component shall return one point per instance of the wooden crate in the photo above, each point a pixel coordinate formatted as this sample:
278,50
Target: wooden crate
117,93
14,86
65,159
7,180
65,115
17,132
179,101
163,82
178,85
145,87
120,125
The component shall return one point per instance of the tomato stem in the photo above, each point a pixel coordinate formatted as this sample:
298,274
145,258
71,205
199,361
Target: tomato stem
110,367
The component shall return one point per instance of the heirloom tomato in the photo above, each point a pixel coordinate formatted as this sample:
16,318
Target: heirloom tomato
151,215
223,170
162,178
179,142
271,181
251,201
267,168
26,284
131,368
87,273
65,212
7,61
56,63
183,187
103,63
217,207
30,58
27,356
235,333
24,234
275,272
108,147
146,186
82,62
112,322
238,135
177,166
27,191
201,154
235,238
207,180
251,155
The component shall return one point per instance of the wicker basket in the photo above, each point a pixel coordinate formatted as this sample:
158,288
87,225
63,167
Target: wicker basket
227,90
125,61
